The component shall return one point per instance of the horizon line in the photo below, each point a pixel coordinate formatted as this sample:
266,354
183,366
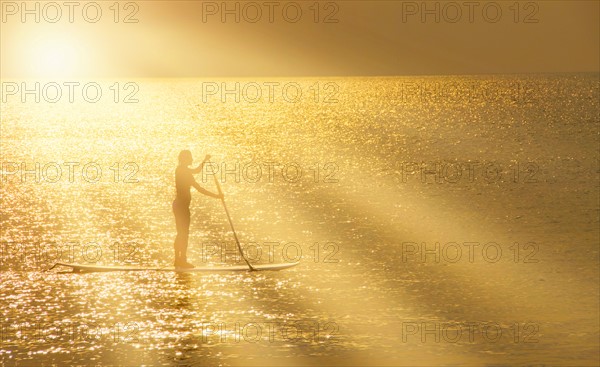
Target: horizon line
297,76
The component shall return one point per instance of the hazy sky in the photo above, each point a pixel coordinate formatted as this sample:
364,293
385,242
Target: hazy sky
190,39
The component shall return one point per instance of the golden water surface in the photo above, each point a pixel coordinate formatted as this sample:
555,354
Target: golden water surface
355,218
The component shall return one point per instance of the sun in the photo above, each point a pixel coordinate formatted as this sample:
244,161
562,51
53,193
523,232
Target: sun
54,56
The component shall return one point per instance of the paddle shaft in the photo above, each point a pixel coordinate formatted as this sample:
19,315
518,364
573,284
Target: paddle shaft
231,224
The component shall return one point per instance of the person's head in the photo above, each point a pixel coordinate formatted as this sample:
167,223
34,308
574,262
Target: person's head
185,158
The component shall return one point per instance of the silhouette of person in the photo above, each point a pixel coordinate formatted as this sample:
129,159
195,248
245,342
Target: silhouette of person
184,179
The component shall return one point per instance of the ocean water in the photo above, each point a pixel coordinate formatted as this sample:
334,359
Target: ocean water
438,221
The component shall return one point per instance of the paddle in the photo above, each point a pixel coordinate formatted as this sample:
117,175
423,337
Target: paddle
231,224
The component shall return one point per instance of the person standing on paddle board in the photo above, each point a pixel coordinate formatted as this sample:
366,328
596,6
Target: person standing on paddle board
184,180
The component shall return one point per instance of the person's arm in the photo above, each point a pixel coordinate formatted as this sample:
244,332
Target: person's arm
201,166
204,191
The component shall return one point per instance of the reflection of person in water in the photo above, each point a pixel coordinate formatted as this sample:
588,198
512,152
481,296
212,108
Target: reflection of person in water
184,179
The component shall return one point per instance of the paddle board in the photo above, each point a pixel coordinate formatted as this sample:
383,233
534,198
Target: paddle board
97,268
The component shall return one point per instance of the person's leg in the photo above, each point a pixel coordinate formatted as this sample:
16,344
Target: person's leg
185,233
179,238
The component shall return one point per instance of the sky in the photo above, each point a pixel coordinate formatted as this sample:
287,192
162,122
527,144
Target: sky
302,38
